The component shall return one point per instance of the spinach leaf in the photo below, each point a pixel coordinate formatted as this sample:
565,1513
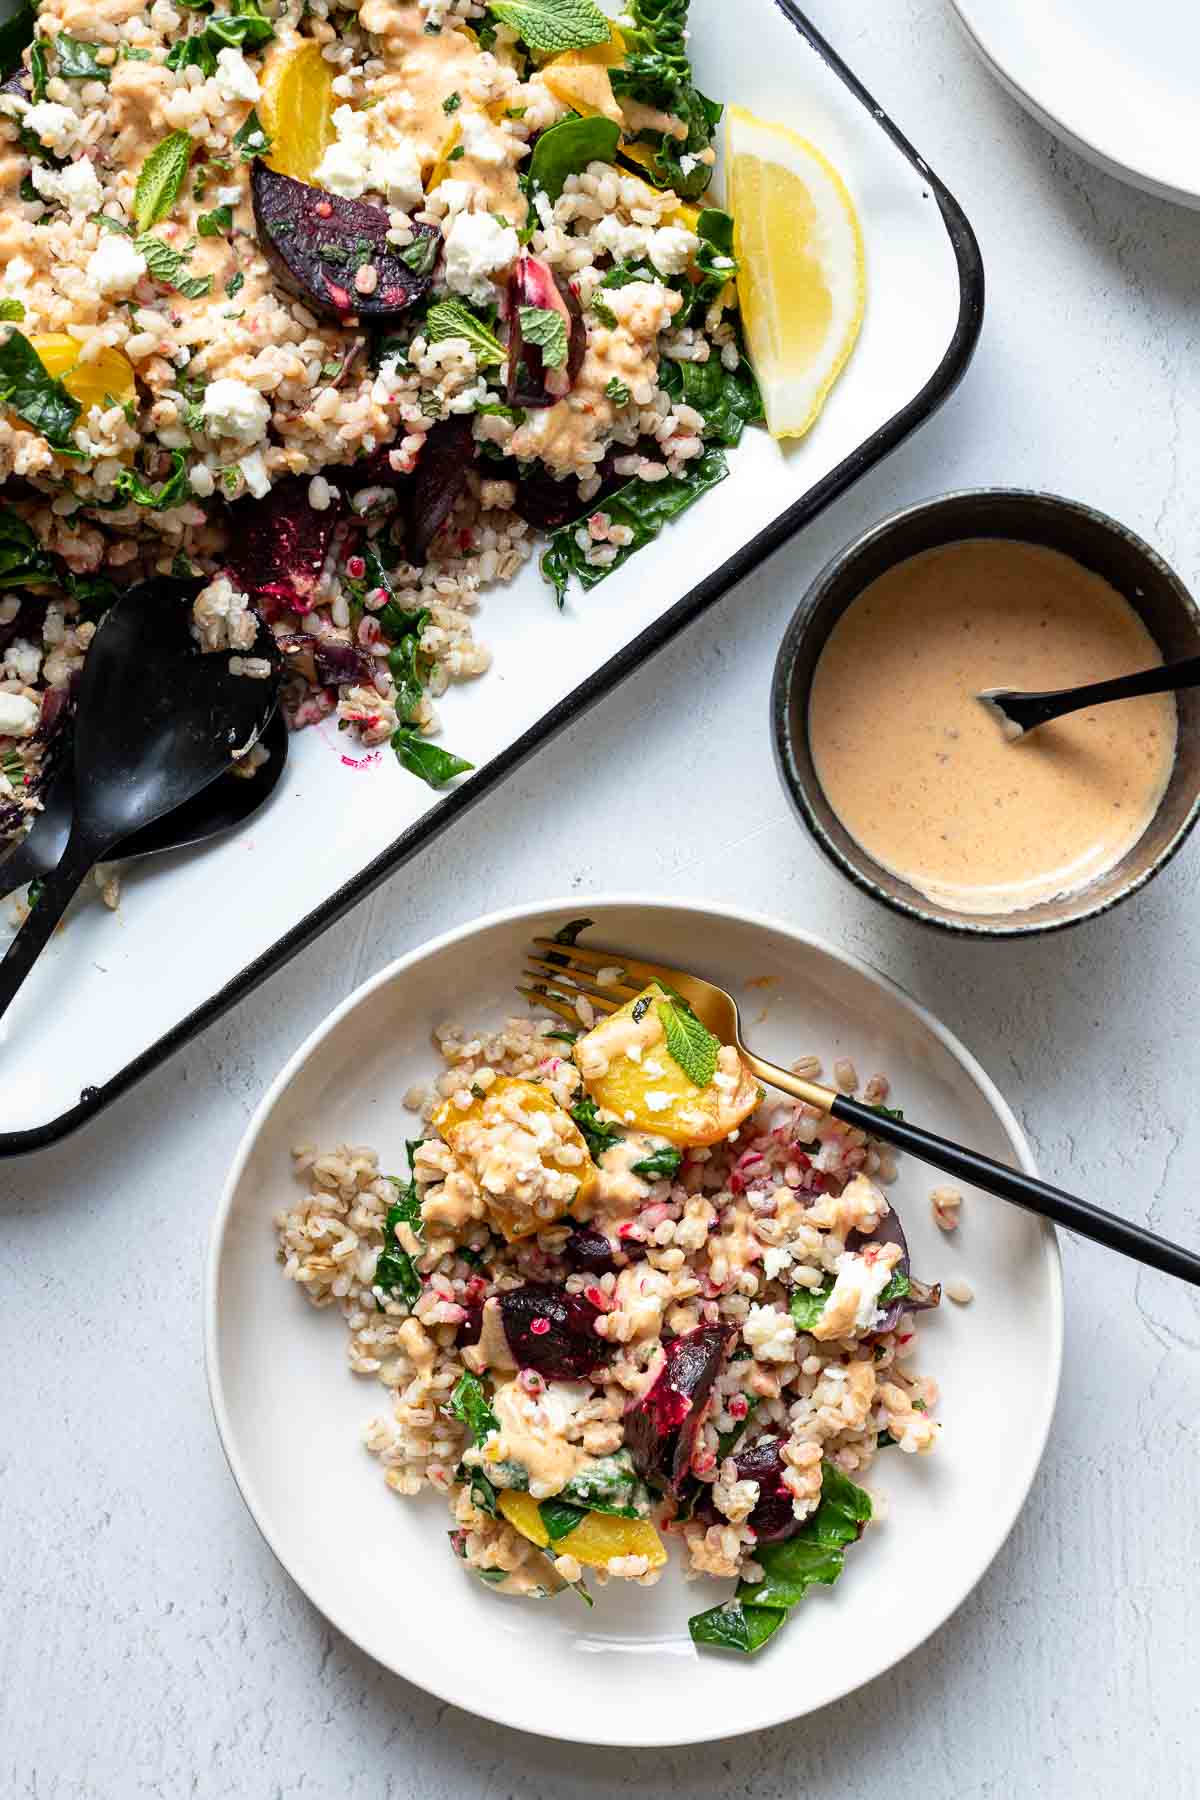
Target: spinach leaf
33,393
808,1304
469,1404
160,179
690,1044
657,72
714,258
251,140
402,662
16,33
246,24
77,61
898,1288
727,399
554,25
454,319
23,562
193,52
567,148
434,765
815,1554
395,1271
610,1484
547,329
660,1166
171,492
598,1134
93,594
645,507
560,1518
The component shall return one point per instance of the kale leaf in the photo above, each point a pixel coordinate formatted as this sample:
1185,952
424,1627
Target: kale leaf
598,1134
33,393
657,72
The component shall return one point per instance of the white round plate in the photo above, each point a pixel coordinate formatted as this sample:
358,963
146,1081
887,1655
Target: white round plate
291,1414
1118,82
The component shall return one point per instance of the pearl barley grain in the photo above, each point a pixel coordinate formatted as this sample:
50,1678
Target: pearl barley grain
960,1291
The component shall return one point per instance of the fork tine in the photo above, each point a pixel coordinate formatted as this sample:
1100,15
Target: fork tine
566,992
642,972
551,1003
614,991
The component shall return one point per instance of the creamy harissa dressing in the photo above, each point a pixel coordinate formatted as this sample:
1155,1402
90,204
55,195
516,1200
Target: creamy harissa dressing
921,773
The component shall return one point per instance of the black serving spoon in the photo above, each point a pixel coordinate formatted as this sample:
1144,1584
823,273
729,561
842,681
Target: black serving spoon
1019,713
156,721
218,808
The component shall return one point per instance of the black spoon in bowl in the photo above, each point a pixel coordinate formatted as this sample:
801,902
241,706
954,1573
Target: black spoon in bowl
219,808
157,720
1019,713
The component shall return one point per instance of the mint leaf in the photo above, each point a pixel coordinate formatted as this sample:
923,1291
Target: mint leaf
808,1304
33,393
469,1404
235,284
216,222
421,255
689,1043
617,392
11,310
395,1271
161,178
547,329
604,313
77,61
167,265
567,148
430,762
454,319
598,1134
554,25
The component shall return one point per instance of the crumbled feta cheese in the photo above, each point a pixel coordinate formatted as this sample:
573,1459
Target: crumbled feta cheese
455,196
346,166
775,1261
76,187
16,276
657,1100
769,1333
852,1305
232,409
254,474
235,78
672,248
18,716
57,126
229,196
482,140
396,173
478,247
115,267
22,660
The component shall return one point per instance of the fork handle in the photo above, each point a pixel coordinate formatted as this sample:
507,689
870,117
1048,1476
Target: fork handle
993,1177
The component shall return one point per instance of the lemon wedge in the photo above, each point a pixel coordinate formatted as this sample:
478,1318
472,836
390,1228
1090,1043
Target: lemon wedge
802,269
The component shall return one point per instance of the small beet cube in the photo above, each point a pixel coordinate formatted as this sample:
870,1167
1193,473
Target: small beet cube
661,1430
553,1332
316,244
278,545
773,1518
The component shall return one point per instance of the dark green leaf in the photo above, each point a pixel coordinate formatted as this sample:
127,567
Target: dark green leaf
657,72
93,594
567,148
38,69
609,1484
245,25
235,284
617,392
23,562
560,1518
554,25
11,311
216,222
171,492
251,140
604,313
727,399
451,103
160,179
808,1304
77,61
434,765
661,1165
547,329
645,507
33,393
598,1133
898,1288
421,255
735,1627
469,1404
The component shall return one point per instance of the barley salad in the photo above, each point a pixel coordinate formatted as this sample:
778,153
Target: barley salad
621,1300
324,310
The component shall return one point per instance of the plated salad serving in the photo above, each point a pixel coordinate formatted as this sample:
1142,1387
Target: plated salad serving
621,1300
328,312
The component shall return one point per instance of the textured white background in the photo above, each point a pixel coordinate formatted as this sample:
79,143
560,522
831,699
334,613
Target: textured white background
148,1643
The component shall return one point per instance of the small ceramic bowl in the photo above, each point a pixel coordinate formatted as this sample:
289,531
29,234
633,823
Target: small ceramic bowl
1100,544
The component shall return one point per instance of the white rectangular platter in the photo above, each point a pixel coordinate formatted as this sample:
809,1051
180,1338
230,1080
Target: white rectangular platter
115,994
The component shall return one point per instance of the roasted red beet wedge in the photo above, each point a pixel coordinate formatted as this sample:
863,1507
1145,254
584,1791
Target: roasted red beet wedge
661,1429
278,545
439,480
773,1518
553,1332
317,242
530,382
326,662
590,1252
